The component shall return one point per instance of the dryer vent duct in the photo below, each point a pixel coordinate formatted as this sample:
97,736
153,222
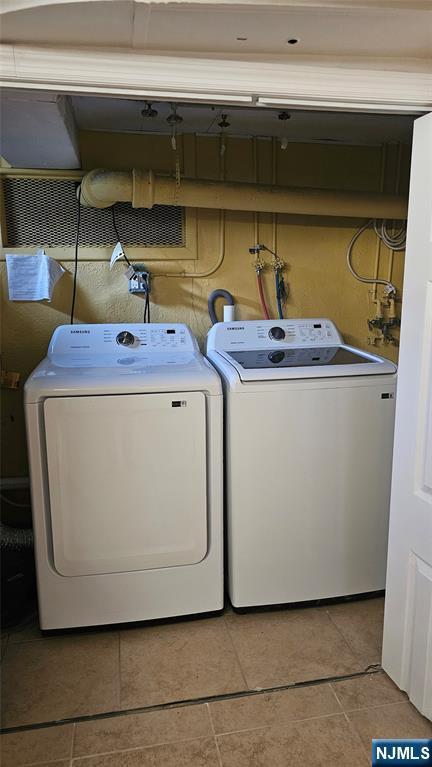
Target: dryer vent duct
102,188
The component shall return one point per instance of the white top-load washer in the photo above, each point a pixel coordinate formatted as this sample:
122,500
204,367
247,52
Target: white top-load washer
308,437
124,428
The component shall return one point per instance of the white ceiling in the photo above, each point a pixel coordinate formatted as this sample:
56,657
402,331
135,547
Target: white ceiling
107,114
383,29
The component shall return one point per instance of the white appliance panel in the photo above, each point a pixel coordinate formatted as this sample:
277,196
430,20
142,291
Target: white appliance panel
308,482
89,341
272,334
154,513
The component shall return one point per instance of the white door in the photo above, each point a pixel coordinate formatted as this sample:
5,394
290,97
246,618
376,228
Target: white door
407,651
127,481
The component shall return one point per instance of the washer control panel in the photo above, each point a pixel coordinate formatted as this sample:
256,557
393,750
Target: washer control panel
121,338
271,334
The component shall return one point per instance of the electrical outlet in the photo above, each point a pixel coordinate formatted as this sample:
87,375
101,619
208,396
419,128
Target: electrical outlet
139,282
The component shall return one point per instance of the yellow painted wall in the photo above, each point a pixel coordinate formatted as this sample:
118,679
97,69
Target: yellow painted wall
314,250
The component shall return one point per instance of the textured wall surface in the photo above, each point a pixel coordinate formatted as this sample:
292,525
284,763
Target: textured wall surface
313,248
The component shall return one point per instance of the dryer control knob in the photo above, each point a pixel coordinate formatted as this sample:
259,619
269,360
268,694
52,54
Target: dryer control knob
277,333
125,338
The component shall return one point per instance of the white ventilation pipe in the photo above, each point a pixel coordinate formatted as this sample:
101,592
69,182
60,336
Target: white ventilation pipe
102,188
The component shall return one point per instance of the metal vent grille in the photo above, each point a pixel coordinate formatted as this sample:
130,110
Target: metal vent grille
43,212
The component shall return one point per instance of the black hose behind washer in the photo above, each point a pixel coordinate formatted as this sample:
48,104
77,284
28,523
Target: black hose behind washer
219,293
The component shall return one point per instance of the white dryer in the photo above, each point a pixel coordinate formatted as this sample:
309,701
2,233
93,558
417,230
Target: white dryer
124,428
309,434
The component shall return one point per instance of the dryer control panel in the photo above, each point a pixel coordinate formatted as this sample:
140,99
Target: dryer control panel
118,339
271,334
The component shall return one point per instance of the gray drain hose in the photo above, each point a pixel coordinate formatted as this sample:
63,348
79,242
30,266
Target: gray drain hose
219,293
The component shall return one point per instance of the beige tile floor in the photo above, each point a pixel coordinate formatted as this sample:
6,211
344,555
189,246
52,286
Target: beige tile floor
69,675
330,723
77,674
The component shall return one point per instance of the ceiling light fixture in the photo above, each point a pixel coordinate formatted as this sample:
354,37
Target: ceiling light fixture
148,110
223,124
174,118
173,121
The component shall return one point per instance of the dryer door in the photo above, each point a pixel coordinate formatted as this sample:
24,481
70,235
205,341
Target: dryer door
127,481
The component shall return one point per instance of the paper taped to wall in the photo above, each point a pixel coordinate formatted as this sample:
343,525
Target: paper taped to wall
32,277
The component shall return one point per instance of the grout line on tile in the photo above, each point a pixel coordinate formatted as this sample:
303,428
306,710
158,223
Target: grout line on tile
73,741
214,736
207,705
186,702
140,748
280,724
337,698
359,656
378,705
353,728
235,651
341,634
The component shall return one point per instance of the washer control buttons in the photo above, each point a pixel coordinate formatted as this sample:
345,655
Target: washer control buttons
125,338
277,333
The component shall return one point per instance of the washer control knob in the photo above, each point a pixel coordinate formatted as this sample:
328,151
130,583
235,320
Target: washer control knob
276,357
277,333
125,338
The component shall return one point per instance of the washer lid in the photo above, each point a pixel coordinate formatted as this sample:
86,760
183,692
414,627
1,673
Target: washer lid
306,362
